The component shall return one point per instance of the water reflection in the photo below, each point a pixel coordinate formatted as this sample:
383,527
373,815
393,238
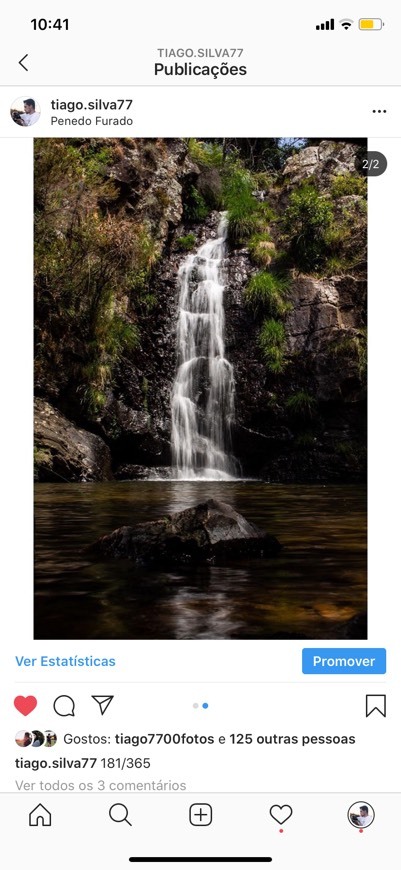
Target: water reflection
316,588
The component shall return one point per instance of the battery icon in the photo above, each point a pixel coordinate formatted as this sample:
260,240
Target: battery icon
370,24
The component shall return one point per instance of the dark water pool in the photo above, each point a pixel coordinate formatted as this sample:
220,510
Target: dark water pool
316,588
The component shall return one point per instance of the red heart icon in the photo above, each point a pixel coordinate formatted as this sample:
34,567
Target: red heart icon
25,705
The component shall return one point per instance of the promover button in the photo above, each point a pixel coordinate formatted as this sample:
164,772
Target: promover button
343,661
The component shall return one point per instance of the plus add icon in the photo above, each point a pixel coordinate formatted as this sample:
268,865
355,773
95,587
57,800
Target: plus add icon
200,814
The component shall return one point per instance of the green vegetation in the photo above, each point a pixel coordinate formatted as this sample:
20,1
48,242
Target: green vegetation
95,160
306,220
92,267
261,249
265,180
266,293
41,456
205,153
259,155
195,206
242,207
346,238
353,453
353,346
272,344
186,243
324,234
247,216
305,440
348,185
320,231
301,404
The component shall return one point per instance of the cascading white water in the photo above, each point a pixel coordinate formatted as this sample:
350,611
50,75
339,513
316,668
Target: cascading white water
203,391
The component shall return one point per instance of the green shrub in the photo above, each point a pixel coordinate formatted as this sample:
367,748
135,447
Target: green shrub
305,440
264,180
186,243
261,249
336,266
244,216
353,346
348,185
266,293
242,226
301,404
92,265
120,335
306,220
93,400
352,453
41,456
94,158
205,153
195,206
148,301
272,344
346,237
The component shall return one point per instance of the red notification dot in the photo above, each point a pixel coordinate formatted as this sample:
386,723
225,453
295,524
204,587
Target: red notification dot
281,831
361,830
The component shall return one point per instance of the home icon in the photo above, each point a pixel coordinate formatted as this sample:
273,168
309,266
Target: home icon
39,816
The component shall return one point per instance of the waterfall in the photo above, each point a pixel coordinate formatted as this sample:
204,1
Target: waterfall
203,391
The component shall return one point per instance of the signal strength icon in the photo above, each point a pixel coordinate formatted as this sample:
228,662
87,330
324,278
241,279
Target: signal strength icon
346,23
326,25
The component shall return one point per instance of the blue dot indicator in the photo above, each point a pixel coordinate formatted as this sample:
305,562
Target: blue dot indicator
205,706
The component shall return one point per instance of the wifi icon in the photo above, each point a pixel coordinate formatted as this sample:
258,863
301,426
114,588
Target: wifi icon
346,23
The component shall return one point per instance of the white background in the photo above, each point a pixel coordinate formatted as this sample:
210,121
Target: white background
323,705
117,45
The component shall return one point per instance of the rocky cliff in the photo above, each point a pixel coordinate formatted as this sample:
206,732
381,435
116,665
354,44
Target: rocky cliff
105,346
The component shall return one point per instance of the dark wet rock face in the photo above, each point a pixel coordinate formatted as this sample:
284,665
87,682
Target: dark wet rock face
324,330
142,472
211,532
325,348
65,452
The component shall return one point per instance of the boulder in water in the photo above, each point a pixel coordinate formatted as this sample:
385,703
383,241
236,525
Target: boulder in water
211,532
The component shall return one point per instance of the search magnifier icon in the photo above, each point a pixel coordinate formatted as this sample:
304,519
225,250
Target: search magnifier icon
119,813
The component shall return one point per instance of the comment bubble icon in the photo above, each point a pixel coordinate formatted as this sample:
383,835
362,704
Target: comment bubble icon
64,705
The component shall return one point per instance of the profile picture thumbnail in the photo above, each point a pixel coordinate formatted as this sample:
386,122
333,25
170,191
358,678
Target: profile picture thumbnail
25,111
50,738
23,739
38,739
361,815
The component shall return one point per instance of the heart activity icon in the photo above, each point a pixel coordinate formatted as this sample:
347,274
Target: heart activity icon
25,705
281,814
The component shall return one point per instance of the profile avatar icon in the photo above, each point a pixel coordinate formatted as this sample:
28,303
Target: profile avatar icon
50,738
25,112
361,815
23,739
38,739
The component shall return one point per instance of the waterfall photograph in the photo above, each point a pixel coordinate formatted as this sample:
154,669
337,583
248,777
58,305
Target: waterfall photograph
200,388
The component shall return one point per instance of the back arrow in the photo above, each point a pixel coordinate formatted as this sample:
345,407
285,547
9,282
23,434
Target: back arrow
21,64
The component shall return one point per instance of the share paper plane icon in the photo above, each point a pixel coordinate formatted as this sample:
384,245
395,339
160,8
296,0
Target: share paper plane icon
104,701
